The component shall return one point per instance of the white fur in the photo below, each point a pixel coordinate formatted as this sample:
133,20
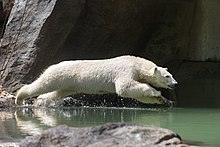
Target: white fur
128,76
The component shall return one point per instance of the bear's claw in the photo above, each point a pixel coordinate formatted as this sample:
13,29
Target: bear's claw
165,101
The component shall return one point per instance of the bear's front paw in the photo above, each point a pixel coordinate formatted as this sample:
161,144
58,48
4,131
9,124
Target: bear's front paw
19,101
165,101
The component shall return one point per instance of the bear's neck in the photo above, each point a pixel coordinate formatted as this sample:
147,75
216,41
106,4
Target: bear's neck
147,77
148,80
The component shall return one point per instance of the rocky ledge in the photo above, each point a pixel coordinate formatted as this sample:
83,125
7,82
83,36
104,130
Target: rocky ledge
6,99
114,135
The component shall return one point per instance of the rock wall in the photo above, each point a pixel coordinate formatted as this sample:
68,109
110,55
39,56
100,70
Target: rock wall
5,10
204,43
32,37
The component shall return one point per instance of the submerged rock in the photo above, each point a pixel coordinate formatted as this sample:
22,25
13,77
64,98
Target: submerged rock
106,135
6,99
7,102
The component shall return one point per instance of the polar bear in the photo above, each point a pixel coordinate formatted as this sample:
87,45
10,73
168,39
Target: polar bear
128,76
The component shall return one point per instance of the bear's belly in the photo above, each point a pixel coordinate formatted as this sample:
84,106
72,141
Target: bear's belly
93,87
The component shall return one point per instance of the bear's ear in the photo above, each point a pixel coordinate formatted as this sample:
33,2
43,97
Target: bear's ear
166,68
156,70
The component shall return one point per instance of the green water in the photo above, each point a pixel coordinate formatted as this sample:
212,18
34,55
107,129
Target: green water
197,126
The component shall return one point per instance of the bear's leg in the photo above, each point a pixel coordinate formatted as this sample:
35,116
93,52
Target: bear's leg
47,82
155,100
55,95
34,89
140,91
51,97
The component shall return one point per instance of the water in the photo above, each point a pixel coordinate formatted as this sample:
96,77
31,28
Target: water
198,126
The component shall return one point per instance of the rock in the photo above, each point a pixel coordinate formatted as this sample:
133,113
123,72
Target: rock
204,43
94,100
106,135
6,99
7,6
2,18
6,102
5,9
33,35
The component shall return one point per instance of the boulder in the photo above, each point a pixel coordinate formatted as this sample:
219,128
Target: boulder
106,135
6,99
7,102
32,37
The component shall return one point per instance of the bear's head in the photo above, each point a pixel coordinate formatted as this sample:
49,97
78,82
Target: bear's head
21,95
162,78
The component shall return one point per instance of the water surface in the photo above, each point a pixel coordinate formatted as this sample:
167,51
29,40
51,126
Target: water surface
198,126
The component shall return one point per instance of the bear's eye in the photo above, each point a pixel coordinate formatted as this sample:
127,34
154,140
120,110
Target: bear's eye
167,76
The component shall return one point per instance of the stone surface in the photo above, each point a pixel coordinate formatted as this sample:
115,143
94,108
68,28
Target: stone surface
1,13
93,100
7,6
5,9
5,103
32,37
114,135
6,99
204,44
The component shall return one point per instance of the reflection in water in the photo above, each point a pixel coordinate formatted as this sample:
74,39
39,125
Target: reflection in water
4,125
199,125
29,121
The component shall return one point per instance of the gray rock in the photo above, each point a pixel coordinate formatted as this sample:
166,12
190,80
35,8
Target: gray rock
94,100
5,9
7,6
6,102
113,135
33,34
6,99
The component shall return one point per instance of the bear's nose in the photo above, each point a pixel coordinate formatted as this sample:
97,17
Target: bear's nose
173,85
176,84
